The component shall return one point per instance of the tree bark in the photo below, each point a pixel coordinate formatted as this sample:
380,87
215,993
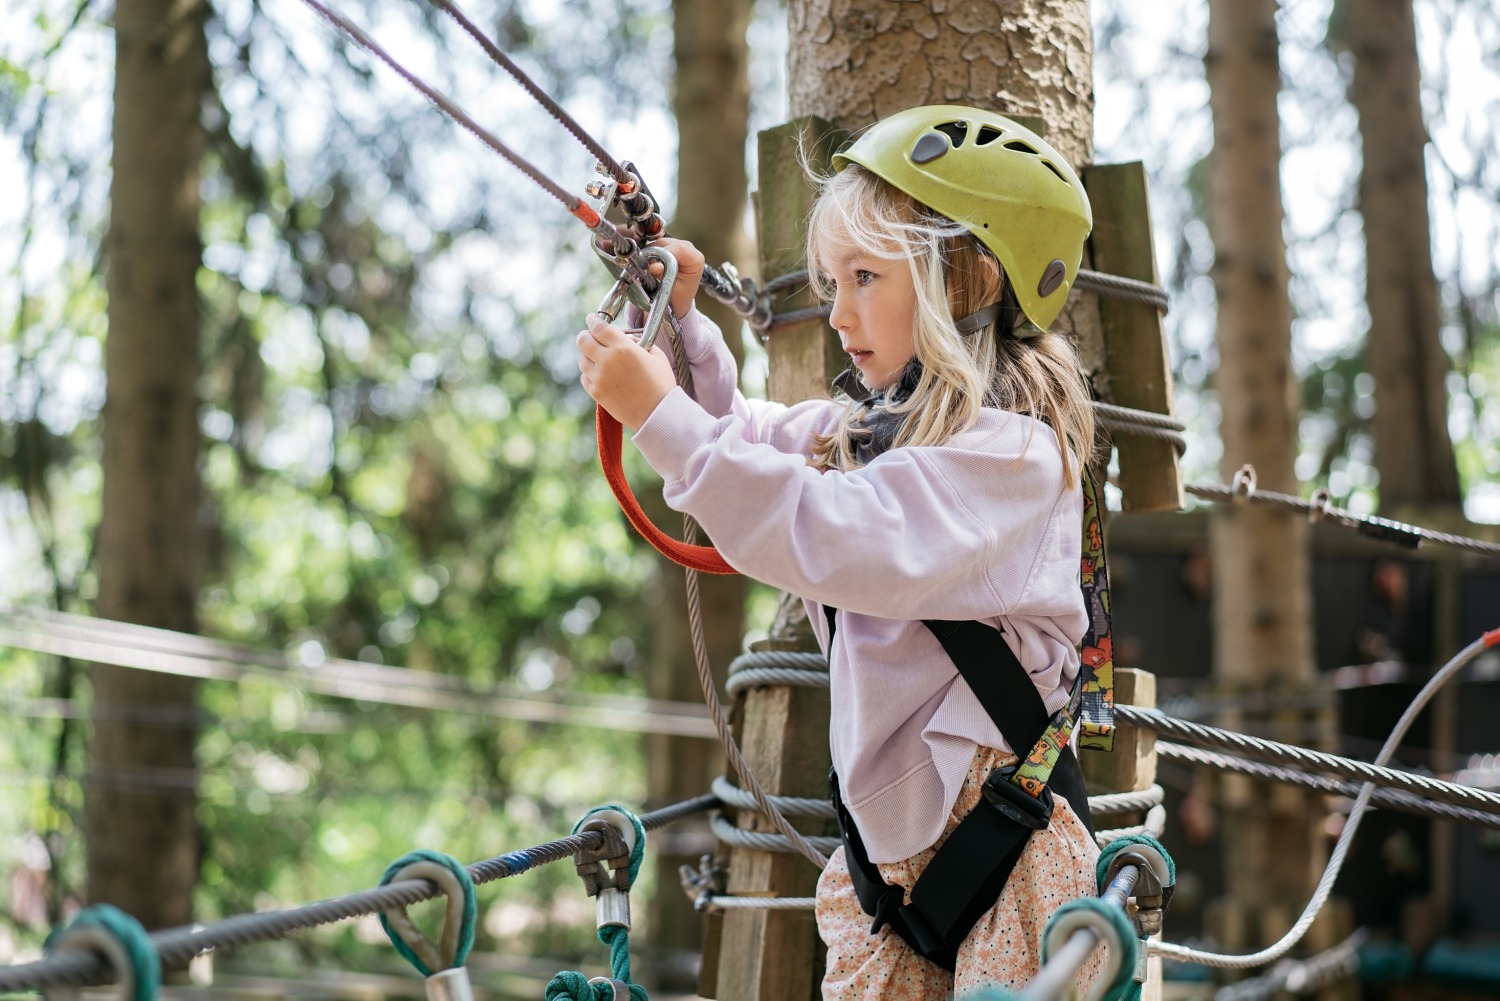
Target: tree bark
141,826
711,102
1413,451
854,62
1261,575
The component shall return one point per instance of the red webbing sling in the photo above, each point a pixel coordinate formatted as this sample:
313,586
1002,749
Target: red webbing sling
702,558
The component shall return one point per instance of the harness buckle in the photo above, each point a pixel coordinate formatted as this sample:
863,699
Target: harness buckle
1015,803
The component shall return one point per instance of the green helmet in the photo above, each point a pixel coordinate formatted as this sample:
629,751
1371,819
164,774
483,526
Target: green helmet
1001,180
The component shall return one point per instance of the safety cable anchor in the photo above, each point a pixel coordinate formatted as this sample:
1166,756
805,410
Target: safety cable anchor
606,870
1153,888
702,884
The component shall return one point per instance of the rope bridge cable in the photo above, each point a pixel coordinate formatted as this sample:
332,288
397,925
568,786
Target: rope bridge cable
1273,752
163,651
1386,799
1351,826
1300,976
1319,508
177,946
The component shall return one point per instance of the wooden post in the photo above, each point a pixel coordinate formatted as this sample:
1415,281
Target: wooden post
1130,767
783,732
804,357
1137,371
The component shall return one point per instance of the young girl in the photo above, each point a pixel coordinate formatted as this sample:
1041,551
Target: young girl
942,493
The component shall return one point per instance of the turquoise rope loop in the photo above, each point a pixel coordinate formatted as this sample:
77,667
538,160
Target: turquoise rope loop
1109,851
571,986
1123,987
108,930
992,994
637,850
459,925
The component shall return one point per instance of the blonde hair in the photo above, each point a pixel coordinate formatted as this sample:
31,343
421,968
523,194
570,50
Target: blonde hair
954,276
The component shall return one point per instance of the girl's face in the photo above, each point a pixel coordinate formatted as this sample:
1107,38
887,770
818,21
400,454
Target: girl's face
874,307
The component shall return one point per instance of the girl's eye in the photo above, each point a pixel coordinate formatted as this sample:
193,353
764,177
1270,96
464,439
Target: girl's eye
863,278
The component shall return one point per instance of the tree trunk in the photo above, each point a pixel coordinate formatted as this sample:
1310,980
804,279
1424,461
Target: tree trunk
1261,575
1413,452
711,101
141,827
854,63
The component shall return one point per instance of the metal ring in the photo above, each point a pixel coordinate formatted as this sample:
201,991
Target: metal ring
620,987
1244,483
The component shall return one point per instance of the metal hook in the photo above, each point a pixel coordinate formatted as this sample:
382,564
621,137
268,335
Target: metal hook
1244,483
92,938
442,955
619,293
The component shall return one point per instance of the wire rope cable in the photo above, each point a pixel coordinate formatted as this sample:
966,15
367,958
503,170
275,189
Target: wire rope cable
1271,751
177,946
1346,837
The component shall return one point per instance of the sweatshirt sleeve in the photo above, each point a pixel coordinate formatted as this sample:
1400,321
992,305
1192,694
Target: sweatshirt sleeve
953,531
714,370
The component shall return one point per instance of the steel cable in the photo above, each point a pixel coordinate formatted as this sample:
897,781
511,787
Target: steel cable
1387,799
1319,508
1346,837
1274,752
177,946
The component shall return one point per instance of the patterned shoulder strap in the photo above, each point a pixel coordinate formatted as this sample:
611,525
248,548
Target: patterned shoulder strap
1096,725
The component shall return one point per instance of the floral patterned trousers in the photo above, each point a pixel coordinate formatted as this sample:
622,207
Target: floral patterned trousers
1004,947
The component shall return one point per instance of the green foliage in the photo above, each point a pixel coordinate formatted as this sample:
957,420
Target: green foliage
398,468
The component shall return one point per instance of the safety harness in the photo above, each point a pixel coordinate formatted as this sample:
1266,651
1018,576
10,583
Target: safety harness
965,876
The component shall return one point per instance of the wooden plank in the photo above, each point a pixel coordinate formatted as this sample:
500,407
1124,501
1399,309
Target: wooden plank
804,357
1131,766
1137,371
765,955
783,732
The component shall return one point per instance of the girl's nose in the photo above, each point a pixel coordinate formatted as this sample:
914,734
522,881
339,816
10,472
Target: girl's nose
841,315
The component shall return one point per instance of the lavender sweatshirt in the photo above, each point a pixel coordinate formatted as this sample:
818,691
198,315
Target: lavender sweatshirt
980,527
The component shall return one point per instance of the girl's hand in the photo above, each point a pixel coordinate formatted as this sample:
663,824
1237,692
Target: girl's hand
689,272
623,378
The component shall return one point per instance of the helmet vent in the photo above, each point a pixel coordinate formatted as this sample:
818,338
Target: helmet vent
987,135
1021,147
956,131
1053,167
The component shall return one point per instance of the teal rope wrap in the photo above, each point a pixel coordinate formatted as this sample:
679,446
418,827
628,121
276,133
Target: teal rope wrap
571,986
637,853
1101,870
1124,987
145,964
470,912
993,994
1109,851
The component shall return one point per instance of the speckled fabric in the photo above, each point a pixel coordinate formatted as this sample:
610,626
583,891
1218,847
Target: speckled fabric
1004,946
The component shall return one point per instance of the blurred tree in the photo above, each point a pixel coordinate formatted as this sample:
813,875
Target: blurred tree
1413,451
711,102
1261,571
142,832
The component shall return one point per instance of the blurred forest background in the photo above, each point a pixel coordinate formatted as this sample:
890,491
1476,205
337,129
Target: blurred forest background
390,460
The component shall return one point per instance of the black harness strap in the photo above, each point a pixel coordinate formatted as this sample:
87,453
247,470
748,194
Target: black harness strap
965,876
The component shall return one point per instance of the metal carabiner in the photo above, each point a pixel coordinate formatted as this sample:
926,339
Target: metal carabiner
619,294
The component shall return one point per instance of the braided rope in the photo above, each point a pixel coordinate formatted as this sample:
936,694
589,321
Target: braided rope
796,659
791,806
1351,826
1244,490
1274,752
737,837
760,677
1120,287
1156,822
1388,799
177,946
1127,802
